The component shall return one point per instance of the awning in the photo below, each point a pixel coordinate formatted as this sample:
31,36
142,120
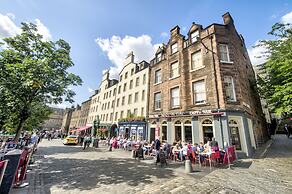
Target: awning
83,128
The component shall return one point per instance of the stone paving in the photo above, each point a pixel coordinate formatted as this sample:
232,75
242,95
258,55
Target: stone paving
69,169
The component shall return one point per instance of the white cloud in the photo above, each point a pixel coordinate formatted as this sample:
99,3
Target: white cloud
257,54
8,28
118,48
43,30
287,18
164,34
90,90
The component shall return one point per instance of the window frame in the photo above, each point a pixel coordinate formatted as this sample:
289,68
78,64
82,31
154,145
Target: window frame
232,88
155,102
155,76
194,68
172,106
195,37
174,49
227,52
194,93
171,70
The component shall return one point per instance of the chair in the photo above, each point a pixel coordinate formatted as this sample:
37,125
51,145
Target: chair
215,157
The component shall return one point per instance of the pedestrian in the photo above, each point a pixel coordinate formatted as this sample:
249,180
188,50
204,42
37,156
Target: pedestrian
288,130
86,141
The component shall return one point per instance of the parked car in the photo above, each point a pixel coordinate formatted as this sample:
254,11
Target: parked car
71,139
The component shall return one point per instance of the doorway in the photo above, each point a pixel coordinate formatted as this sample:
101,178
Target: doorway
234,132
207,128
152,134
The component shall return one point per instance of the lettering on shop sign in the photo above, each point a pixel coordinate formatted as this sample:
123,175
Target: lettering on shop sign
200,112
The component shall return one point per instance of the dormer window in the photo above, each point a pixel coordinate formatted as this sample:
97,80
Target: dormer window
158,57
174,48
194,36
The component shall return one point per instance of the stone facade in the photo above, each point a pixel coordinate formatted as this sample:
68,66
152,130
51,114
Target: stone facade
55,120
66,120
211,73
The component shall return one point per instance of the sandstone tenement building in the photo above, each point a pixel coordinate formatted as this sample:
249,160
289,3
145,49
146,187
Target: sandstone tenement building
203,86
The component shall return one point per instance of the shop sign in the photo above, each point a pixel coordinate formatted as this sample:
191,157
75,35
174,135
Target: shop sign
192,113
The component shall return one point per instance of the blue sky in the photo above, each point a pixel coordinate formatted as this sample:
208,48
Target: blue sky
102,32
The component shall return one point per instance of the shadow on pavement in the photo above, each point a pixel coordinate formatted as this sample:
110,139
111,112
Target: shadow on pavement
83,174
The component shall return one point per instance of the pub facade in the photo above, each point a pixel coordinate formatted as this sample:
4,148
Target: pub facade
203,86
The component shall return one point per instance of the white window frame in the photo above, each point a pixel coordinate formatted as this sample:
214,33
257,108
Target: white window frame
198,66
172,97
221,51
232,88
174,48
156,80
194,36
171,73
158,57
195,102
157,104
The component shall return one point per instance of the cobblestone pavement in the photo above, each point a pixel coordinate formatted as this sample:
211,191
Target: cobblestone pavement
69,169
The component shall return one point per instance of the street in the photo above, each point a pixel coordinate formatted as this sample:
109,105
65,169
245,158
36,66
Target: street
69,169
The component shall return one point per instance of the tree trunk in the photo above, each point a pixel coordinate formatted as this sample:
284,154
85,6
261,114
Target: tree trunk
19,130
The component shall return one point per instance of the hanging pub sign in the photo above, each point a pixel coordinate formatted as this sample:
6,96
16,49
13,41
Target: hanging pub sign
157,132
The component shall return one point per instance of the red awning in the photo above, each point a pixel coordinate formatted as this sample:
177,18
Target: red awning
83,128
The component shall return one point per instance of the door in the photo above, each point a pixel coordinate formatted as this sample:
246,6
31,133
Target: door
235,137
188,134
208,133
177,133
152,134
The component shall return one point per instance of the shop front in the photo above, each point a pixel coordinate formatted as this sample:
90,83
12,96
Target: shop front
232,127
135,130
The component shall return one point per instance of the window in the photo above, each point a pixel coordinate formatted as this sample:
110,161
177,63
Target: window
118,102
158,57
114,93
125,86
157,76
122,114
143,95
123,100
110,93
106,117
194,36
111,117
104,95
142,111
196,60
113,104
174,71
116,116
132,71
121,77
144,79
137,81
199,92
174,97
135,111
128,113
157,101
108,105
174,48
229,88
131,84
130,99
119,90
126,75
224,53
136,97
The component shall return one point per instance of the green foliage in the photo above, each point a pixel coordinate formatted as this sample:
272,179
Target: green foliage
276,84
34,72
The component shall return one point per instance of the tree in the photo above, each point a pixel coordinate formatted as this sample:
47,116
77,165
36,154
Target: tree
276,84
35,72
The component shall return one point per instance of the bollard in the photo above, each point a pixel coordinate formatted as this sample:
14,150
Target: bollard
188,166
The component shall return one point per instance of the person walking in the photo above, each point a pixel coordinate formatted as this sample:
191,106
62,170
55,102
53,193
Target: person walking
287,129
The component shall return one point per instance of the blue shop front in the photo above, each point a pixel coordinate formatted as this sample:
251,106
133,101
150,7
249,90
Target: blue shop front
136,130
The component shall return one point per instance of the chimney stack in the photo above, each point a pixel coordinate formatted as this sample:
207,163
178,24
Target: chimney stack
129,58
227,19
